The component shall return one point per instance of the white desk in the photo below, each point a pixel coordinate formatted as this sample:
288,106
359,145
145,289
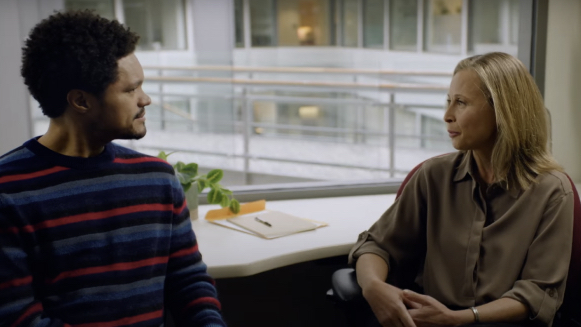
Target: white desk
230,253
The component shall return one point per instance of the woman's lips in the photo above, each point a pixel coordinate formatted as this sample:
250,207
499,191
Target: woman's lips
453,134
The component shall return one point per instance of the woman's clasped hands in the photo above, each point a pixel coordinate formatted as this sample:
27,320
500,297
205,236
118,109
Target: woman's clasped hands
394,307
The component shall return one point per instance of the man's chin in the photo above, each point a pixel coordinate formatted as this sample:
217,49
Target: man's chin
135,135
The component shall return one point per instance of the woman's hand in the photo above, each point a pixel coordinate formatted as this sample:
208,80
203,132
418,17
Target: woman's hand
387,304
427,311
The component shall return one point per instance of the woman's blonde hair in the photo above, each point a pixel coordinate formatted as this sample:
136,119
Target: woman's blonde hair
520,152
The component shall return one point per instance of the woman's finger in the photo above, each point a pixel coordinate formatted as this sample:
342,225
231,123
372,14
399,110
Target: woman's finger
411,304
416,297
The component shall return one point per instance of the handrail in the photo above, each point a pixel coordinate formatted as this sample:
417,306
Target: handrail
310,70
247,82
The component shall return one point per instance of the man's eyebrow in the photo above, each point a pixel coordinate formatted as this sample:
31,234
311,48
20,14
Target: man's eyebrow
136,84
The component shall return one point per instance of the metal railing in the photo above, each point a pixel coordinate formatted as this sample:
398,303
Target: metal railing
248,90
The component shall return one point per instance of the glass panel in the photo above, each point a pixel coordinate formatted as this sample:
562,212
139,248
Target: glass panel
239,23
493,26
403,24
373,23
262,23
443,26
161,24
350,23
308,113
304,22
104,8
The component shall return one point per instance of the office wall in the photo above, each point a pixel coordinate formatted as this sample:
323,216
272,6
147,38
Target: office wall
14,113
563,83
17,17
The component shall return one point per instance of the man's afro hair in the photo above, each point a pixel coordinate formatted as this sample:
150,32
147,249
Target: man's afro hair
73,50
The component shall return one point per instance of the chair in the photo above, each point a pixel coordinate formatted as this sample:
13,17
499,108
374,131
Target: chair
346,293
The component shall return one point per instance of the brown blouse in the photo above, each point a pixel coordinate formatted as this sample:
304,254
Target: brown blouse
466,247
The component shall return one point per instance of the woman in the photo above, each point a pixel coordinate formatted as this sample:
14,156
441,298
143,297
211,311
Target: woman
485,232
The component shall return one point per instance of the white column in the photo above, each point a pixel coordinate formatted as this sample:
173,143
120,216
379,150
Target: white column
213,31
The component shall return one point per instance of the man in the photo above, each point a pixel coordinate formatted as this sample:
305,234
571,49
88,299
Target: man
91,233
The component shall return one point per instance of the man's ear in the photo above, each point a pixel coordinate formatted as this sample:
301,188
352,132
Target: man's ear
79,100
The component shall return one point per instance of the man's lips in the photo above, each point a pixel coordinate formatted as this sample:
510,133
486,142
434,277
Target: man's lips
141,114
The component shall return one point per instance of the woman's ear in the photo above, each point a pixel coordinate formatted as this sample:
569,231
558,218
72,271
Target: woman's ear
79,100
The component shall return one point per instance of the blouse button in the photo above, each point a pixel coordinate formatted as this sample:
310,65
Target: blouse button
551,292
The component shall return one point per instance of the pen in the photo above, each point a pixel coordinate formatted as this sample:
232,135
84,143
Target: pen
262,221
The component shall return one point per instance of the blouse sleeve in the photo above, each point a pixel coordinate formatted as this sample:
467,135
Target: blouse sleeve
399,235
544,275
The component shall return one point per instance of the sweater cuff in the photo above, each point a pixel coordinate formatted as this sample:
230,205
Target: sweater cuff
542,303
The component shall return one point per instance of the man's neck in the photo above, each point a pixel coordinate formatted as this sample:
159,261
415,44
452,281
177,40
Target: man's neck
70,140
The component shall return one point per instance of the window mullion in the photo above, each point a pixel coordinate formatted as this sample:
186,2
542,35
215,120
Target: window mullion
420,42
464,28
119,11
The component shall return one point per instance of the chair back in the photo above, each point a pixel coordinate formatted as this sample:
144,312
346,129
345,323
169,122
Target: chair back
573,290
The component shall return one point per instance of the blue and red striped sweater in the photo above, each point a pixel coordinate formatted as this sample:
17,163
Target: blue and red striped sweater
100,241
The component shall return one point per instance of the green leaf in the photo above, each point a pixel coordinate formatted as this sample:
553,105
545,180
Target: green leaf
226,191
179,166
184,178
215,175
225,201
190,169
212,185
235,206
186,187
201,185
214,197
162,155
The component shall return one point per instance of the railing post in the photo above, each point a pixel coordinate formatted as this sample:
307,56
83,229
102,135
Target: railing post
247,130
161,106
391,132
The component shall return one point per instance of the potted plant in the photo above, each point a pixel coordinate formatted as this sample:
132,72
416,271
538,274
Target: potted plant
188,176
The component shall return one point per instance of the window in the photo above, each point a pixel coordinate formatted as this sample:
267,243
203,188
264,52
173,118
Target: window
239,23
373,13
403,25
443,26
305,22
105,8
493,26
318,108
350,23
263,23
160,23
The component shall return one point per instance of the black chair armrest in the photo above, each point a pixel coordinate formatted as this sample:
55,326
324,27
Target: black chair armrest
569,315
344,287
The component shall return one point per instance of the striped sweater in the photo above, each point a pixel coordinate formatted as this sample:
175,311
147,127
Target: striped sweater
100,241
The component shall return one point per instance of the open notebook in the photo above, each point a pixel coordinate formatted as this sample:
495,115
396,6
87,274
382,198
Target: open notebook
269,224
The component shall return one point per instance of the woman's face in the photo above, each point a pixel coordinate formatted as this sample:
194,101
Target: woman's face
470,120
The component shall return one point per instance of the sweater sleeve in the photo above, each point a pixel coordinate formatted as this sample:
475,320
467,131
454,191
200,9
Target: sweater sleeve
18,305
399,235
544,275
190,292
